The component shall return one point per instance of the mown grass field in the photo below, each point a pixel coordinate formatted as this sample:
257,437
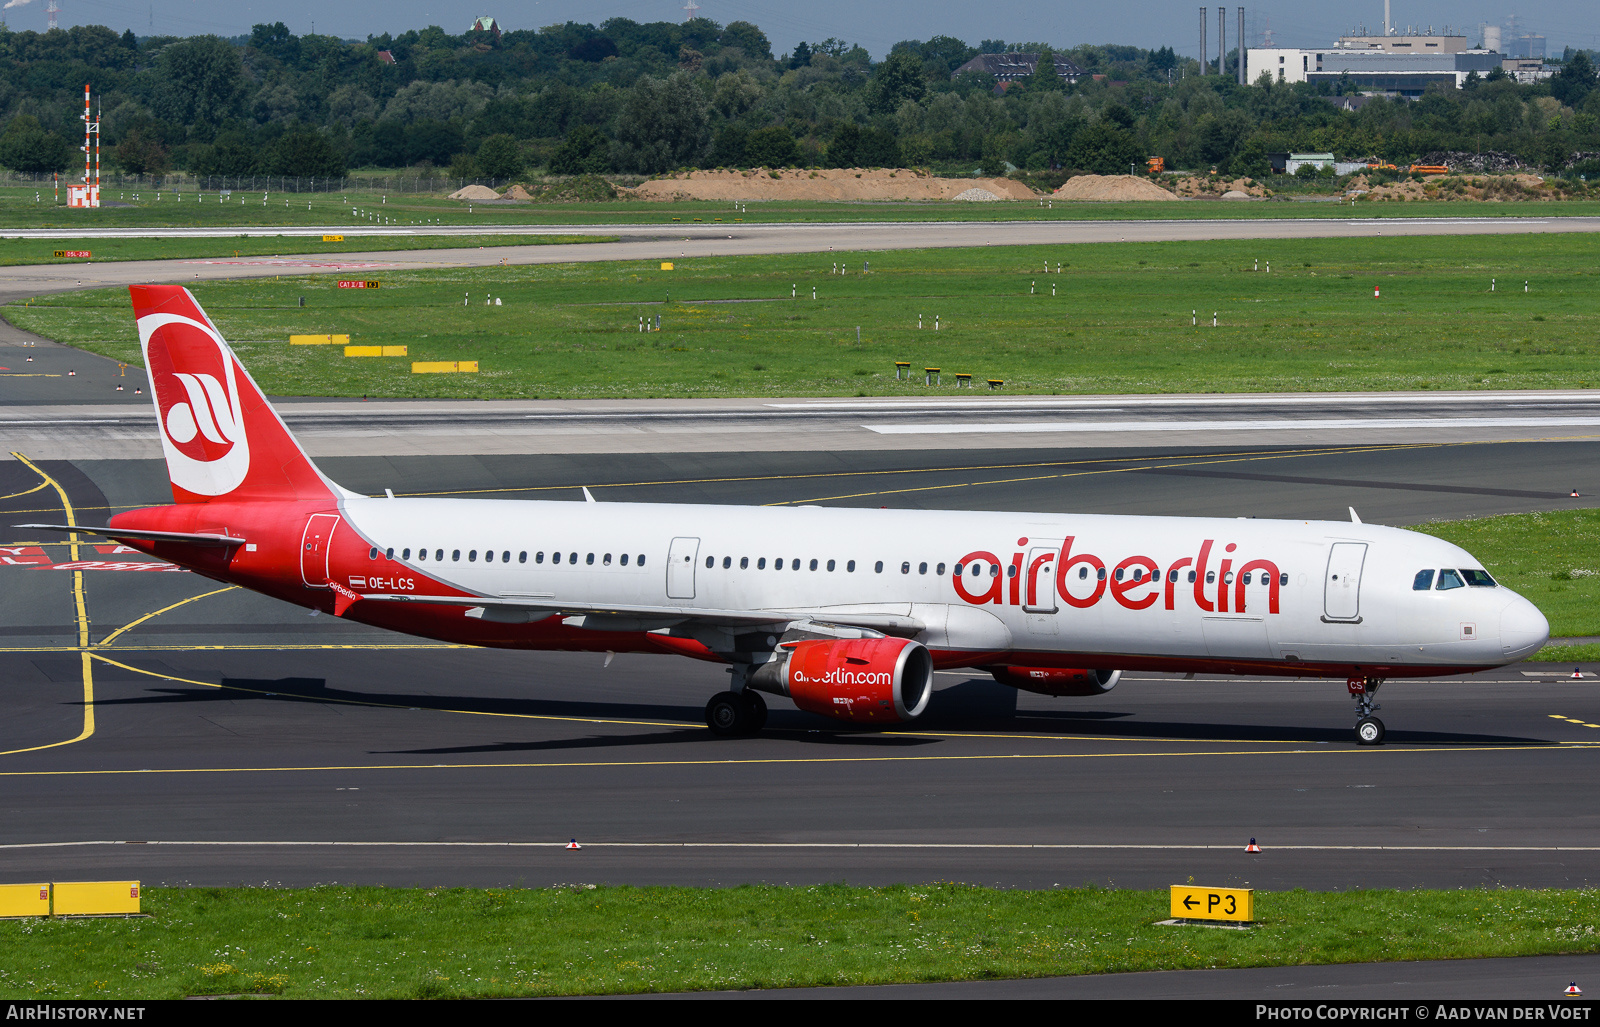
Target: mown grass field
1120,321
15,252
336,942
1551,558
19,209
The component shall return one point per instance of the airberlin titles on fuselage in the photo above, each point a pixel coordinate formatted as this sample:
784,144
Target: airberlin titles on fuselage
1129,582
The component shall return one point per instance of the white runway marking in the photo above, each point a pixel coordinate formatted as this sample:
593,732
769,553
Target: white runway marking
817,845
1282,424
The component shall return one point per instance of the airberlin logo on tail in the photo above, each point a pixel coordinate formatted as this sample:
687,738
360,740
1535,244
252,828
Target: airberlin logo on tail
1082,579
193,375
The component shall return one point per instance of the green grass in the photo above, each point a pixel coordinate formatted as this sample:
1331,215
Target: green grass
1120,322
410,943
1551,558
41,251
19,210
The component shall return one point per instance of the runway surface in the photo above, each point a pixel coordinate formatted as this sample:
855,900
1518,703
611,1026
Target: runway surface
662,241
238,740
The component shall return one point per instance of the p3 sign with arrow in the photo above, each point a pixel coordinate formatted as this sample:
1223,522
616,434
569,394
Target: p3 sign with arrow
1212,903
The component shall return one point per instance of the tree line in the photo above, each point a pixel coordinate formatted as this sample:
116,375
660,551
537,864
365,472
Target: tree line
638,98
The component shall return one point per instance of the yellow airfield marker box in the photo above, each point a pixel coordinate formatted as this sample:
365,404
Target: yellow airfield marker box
666,265
24,900
319,340
85,898
444,366
375,351
333,238
1234,904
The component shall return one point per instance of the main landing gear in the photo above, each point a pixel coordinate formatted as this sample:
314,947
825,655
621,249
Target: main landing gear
736,713
1369,729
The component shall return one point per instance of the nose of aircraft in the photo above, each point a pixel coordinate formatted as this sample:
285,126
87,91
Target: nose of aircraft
1523,629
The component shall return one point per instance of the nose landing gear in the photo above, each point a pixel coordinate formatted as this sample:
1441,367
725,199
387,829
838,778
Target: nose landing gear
1369,729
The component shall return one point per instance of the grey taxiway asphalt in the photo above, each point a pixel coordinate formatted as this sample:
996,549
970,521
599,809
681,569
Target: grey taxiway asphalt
236,739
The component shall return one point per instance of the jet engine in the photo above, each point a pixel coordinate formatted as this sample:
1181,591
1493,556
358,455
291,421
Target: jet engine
862,680
1057,680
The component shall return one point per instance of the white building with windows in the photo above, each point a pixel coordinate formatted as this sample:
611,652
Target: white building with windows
1370,71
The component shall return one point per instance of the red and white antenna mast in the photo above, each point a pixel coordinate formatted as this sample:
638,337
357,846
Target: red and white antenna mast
52,9
88,194
688,10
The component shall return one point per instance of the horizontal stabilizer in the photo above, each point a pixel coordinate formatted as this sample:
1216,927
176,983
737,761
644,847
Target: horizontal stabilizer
193,538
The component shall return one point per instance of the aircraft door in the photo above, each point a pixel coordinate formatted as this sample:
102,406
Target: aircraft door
1039,587
1341,587
315,547
680,568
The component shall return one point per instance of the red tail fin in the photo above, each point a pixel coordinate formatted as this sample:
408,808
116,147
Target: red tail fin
221,437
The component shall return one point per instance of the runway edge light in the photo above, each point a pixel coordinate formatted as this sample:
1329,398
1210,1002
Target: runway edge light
1573,990
574,844
1252,847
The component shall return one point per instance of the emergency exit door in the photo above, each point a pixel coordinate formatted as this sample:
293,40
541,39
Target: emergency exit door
1341,586
315,547
680,568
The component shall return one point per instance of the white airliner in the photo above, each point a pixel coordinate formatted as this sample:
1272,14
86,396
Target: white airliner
847,612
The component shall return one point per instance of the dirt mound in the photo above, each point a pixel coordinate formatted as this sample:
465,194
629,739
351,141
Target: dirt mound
1210,188
475,192
829,184
1111,187
1235,194
1487,188
976,196
516,192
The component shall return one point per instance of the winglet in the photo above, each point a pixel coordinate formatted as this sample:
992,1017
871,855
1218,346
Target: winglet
587,496
1355,518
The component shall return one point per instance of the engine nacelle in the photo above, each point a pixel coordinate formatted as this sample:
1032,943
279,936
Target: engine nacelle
862,680
1057,680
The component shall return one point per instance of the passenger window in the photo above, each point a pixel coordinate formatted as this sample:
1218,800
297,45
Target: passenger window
455,556
555,557
1422,582
1118,575
777,564
994,570
372,554
1283,579
624,559
1100,575
711,562
744,562
641,559
590,560
522,557
573,557
878,567
813,564
505,557
795,565
539,556
727,561
422,554
1191,577
472,556
488,556
905,568
1011,570
761,564
1211,576
388,554
851,566
956,570
1247,578
1172,575
1478,579
922,568
1083,571
939,570
830,565
405,554
1449,579
606,559
1227,579
438,554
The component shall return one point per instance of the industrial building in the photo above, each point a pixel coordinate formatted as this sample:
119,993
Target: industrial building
1013,67
1393,73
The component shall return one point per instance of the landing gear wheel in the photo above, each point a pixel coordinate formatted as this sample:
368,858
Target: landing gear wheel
728,714
1369,731
757,709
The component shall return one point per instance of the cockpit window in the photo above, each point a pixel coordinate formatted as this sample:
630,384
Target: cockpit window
1422,582
1449,579
1478,579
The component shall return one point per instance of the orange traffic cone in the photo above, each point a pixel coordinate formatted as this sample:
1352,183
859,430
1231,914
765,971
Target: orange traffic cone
1573,990
574,844
1252,847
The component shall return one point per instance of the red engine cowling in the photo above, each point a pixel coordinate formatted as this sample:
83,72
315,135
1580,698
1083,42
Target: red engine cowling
1057,680
863,680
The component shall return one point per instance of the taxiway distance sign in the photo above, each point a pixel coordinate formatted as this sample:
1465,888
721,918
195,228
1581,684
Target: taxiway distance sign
1212,903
